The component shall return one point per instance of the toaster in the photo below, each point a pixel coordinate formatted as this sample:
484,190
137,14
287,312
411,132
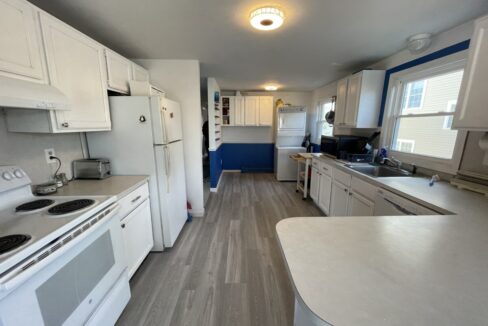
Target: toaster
95,168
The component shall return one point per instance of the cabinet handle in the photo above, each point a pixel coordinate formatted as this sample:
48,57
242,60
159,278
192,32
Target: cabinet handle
65,124
324,168
135,199
345,190
123,226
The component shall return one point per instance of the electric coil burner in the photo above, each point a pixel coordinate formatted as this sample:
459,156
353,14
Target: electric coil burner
11,242
34,205
70,206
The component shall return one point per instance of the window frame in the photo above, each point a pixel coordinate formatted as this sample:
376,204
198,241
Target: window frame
320,119
429,69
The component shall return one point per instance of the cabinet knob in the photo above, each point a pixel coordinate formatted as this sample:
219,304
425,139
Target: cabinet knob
345,190
65,124
123,226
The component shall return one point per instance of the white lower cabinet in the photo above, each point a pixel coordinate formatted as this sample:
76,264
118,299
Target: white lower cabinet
324,193
359,205
315,185
137,233
339,199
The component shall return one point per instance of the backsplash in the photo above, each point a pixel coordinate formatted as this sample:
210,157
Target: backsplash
27,151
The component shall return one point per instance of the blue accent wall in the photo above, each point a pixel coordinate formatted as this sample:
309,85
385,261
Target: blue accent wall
429,57
215,166
248,157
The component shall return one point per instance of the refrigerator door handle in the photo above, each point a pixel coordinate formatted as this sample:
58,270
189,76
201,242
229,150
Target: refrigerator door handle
165,129
167,163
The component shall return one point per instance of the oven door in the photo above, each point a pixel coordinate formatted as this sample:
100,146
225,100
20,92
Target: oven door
68,288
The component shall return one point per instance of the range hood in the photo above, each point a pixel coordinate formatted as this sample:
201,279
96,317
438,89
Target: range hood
16,93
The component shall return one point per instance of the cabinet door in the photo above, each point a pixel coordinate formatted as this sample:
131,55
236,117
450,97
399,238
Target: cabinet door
325,193
352,105
20,42
359,206
76,66
119,71
265,110
315,185
139,73
340,107
472,112
251,110
239,111
138,237
339,199
232,110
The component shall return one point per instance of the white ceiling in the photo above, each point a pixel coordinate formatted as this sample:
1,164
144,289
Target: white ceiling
300,56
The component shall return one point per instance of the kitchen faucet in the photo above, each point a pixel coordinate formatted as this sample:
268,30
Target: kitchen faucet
392,162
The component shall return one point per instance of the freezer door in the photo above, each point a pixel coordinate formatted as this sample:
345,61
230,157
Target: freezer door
166,121
173,188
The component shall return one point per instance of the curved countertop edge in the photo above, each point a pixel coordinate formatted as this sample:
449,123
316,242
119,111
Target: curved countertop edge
116,185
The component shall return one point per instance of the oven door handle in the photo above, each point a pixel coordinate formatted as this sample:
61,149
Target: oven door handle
19,273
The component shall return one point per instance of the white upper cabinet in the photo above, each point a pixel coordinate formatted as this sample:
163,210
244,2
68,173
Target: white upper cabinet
119,72
76,66
21,52
239,107
472,111
251,110
359,99
139,73
266,110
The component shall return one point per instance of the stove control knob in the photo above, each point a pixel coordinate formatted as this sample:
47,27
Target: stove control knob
7,176
18,174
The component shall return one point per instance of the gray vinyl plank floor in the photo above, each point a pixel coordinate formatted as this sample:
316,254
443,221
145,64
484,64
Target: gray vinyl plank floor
226,268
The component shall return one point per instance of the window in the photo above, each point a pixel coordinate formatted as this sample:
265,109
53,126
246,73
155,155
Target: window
323,127
421,108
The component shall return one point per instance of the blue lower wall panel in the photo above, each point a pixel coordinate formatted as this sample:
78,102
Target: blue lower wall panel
248,157
215,166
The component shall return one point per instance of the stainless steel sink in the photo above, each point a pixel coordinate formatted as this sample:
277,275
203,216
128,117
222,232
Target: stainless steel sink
378,171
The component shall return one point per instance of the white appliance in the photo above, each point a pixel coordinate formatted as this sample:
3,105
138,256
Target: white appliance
292,121
147,138
61,257
291,128
17,93
390,204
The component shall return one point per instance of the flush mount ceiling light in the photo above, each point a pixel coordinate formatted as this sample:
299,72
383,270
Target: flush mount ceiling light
271,87
267,18
419,42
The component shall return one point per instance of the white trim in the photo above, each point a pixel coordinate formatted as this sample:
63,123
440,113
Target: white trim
429,69
197,212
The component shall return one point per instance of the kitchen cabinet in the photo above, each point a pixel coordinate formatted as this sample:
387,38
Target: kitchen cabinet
315,184
325,189
472,112
228,110
265,111
359,205
21,54
359,99
339,199
239,107
139,73
251,108
119,72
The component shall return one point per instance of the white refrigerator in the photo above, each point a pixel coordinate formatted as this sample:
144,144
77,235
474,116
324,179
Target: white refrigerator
147,139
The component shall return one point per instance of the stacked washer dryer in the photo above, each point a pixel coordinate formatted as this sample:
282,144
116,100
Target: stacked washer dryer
291,128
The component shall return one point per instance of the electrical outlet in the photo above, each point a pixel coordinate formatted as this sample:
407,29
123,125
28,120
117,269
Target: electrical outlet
49,152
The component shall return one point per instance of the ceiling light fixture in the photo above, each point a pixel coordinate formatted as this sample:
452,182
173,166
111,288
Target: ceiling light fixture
419,42
271,88
267,18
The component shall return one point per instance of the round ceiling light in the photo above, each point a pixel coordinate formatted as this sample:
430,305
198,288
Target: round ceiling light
271,87
267,18
419,42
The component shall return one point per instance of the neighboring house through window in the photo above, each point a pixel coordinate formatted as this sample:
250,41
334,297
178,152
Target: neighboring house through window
323,127
414,95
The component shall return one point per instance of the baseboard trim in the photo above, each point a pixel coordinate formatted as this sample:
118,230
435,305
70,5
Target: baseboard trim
197,212
232,171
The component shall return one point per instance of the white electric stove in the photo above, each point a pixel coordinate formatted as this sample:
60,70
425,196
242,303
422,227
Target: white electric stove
64,247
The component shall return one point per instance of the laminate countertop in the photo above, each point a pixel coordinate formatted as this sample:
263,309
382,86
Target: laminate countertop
394,270
117,185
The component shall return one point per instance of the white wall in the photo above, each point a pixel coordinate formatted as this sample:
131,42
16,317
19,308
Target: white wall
262,135
27,151
181,81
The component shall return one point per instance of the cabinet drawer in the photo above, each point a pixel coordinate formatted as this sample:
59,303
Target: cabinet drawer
342,177
132,200
322,167
363,188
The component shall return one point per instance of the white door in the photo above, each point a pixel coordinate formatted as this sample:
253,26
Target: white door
119,71
21,51
138,237
139,73
77,67
352,104
239,111
340,106
359,205
171,126
315,185
325,193
251,110
339,199
265,110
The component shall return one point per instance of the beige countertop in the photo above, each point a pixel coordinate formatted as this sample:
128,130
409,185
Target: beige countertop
116,185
